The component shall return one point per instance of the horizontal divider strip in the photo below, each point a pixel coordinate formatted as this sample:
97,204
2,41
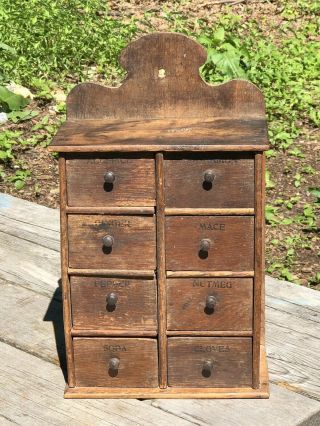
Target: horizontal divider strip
199,333
157,147
170,211
113,333
209,274
169,392
112,272
111,210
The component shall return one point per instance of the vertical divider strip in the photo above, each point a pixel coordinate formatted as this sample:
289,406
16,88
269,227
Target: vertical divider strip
64,271
161,273
258,267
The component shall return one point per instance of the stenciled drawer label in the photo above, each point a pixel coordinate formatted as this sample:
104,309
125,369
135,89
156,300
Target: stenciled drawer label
112,284
211,226
115,348
211,283
211,348
115,224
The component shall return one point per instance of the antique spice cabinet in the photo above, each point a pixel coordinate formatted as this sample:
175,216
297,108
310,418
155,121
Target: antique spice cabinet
162,235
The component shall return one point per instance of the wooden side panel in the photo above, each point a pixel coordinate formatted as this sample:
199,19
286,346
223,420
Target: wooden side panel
134,244
161,274
258,266
138,362
231,243
232,186
189,304
67,321
135,307
134,181
231,360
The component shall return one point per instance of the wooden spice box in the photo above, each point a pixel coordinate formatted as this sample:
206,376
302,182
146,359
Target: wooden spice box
162,231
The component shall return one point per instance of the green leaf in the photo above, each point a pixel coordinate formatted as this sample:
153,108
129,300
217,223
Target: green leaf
229,64
11,101
4,46
19,184
219,34
17,116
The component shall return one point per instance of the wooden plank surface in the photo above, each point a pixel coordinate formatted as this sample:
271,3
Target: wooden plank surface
282,409
293,338
31,393
161,133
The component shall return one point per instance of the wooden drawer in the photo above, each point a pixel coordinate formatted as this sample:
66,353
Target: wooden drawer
133,181
116,362
219,304
187,181
231,240
210,362
132,238
113,303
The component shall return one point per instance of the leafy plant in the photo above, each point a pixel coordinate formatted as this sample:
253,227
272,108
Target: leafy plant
226,57
19,178
9,101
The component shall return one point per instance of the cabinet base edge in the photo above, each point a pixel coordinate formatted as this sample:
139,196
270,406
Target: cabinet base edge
177,393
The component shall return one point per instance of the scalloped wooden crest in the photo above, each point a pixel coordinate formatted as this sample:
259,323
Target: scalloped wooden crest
163,81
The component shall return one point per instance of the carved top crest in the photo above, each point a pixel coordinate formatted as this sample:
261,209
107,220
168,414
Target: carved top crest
162,83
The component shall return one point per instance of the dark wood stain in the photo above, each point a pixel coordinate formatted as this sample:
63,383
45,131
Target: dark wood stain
232,243
232,186
187,308
231,359
135,309
134,242
138,365
134,183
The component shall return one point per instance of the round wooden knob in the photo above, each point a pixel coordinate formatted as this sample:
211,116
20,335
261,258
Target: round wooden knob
205,244
108,241
109,177
207,368
208,176
114,364
112,300
211,302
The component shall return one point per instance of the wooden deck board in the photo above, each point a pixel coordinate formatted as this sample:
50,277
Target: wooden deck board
30,319
31,394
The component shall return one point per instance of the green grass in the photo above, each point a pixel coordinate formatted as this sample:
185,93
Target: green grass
59,39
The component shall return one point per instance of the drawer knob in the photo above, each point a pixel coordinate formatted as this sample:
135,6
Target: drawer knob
207,368
112,300
114,366
109,177
208,176
205,245
108,241
211,302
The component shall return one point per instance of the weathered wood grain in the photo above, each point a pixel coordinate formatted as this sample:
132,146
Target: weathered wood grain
232,186
232,244
134,241
293,336
138,362
161,274
134,180
176,91
29,264
231,360
284,408
39,330
31,393
156,135
187,304
135,307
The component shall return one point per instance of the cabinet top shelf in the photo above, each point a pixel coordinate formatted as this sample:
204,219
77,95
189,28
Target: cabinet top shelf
170,134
